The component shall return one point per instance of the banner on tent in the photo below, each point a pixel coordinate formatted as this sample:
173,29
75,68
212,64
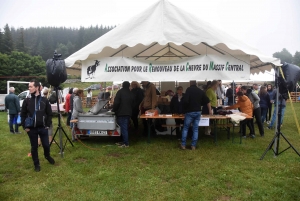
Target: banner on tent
203,67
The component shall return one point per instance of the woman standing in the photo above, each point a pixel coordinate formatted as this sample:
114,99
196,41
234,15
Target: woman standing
77,107
68,106
212,96
264,102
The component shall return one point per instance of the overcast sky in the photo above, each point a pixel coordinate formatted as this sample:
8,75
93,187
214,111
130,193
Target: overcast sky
268,25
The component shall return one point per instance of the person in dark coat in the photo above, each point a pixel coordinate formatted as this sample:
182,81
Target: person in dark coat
122,107
42,122
264,102
176,107
12,103
138,95
271,93
193,100
230,94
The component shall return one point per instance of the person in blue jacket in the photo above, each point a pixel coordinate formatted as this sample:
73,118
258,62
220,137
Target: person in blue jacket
264,102
12,103
282,102
271,92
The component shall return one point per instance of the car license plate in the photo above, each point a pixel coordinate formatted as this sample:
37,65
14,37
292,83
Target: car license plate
97,132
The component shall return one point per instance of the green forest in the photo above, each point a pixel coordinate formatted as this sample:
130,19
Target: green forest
42,41
24,51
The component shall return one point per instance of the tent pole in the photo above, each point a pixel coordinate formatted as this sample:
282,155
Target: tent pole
276,122
144,50
233,89
169,56
207,45
190,49
178,51
121,50
296,92
157,52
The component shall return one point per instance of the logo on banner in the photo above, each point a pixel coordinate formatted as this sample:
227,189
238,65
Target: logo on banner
90,71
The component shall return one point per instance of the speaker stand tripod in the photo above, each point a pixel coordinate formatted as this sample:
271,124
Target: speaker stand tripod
278,133
60,130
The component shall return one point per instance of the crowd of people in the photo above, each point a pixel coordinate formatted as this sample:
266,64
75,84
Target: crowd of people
134,98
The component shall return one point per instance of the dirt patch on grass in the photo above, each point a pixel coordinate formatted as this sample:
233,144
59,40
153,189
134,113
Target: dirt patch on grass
229,185
248,192
224,198
7,175
80,160
115,155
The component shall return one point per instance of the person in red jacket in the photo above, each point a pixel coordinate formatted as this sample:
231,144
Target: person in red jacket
245,106
68,106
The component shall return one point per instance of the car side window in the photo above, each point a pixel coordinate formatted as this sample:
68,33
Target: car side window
22,96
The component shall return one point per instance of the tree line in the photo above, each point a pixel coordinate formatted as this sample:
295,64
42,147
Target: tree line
42,41
23,52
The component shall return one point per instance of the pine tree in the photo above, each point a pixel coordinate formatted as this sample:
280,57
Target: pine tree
1,41
40,49
8,44
296,58
20,46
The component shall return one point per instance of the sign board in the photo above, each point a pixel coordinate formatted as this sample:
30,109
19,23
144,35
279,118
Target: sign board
203,67
204,121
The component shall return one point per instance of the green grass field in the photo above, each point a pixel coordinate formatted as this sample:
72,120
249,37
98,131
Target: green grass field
156,171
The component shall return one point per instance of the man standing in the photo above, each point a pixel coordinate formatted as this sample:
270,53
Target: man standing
12,103
39,109
254,98
193,100
230,94
271,92
176,107
282,102
220,93
100,95
255,88
138,95
122,107
149,102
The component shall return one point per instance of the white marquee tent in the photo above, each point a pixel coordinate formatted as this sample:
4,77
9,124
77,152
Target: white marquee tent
167,34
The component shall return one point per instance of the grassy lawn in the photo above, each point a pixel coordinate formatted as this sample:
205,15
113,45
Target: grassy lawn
156,171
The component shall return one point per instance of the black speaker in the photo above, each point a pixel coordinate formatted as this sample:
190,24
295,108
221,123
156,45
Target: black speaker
56,70
292,76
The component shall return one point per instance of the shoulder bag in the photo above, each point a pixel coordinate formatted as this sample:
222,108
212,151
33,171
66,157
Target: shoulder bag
29,121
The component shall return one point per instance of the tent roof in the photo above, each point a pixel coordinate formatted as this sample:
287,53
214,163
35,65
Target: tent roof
165,32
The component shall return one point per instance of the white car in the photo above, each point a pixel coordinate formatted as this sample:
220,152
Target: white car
26,94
